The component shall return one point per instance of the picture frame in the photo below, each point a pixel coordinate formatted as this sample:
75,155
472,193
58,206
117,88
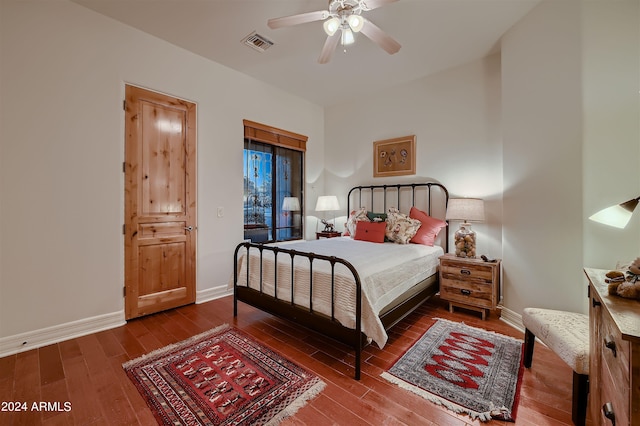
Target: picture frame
394,157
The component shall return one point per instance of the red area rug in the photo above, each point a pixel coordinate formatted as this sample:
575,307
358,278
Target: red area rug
221,377
464,369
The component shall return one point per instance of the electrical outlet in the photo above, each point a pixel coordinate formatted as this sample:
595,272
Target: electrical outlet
220,211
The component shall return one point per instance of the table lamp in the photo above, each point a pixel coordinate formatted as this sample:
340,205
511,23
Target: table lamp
327,203
466,210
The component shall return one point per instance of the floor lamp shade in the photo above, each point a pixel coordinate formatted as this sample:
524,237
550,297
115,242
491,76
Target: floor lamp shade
617,215
291,204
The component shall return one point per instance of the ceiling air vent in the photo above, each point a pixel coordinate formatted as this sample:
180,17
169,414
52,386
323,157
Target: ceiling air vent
257,42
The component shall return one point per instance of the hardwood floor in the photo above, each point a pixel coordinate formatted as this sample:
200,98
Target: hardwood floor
87,373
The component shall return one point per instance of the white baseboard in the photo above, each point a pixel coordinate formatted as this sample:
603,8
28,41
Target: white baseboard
213,293
46,336
512,318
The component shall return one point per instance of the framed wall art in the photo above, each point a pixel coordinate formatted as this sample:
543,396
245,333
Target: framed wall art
394,157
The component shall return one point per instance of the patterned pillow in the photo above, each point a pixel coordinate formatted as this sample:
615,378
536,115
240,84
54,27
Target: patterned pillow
355,216
400,227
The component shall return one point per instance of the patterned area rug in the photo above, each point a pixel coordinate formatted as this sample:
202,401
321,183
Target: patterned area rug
464,369
221,377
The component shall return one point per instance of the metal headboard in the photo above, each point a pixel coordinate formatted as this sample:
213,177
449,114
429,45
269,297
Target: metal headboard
390,193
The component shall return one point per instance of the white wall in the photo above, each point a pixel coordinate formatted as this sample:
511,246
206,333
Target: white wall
455,116
571,146
611,102
63,73
542,134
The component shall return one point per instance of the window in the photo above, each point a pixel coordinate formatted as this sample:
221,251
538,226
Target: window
273,183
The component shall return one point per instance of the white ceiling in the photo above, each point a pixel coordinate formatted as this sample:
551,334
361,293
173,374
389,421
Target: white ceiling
434,34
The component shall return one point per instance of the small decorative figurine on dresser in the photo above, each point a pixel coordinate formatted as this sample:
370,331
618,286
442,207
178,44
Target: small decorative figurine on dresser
627,287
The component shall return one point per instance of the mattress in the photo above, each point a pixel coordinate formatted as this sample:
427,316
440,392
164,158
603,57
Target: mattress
386,271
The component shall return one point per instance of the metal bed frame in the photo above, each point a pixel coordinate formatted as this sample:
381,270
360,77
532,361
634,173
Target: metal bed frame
327,324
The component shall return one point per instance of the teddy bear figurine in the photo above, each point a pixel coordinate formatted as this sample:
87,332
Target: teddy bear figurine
628,287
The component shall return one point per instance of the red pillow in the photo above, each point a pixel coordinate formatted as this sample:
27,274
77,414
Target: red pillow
429,229
370,231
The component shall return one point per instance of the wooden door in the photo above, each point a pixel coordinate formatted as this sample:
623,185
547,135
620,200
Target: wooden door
160,202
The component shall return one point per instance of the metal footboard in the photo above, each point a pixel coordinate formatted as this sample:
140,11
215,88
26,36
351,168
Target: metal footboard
287,308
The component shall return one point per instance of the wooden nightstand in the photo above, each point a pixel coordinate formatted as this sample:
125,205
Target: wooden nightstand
470,283
327,235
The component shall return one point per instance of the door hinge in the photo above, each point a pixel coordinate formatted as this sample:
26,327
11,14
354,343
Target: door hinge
124,104
124,291
124,229
124,167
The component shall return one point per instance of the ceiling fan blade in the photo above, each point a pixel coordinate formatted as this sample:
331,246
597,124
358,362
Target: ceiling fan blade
328,48
374,4
302,18
379,37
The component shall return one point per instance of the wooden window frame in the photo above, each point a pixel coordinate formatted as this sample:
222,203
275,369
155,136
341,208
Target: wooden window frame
273,136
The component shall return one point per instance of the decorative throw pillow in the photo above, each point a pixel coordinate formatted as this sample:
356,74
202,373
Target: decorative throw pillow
428,230
400,227
355,217
370,231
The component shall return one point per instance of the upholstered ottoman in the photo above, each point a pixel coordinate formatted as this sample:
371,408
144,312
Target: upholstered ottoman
567,335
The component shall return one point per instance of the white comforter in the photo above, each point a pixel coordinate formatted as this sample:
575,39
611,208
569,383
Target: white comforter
386,271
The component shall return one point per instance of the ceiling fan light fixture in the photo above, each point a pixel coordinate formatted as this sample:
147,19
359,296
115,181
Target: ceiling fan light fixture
343,15
356,22
331,26
347,36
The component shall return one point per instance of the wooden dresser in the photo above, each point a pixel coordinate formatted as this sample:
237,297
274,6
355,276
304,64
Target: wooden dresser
614,359
470,283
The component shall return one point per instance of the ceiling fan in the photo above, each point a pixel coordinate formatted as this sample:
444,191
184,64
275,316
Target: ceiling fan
343,15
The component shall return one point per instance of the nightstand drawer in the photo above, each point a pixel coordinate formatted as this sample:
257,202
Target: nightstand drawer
454,271
468,292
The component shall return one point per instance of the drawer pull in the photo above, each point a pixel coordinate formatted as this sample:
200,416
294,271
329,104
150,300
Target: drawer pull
465,291
595,303
607,410
465,272
611,345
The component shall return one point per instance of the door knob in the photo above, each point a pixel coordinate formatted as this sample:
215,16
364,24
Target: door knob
189,228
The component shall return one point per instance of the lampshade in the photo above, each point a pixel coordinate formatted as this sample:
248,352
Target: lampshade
347,36
327,203
465,209
618,215
331,26
291,204
356,22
